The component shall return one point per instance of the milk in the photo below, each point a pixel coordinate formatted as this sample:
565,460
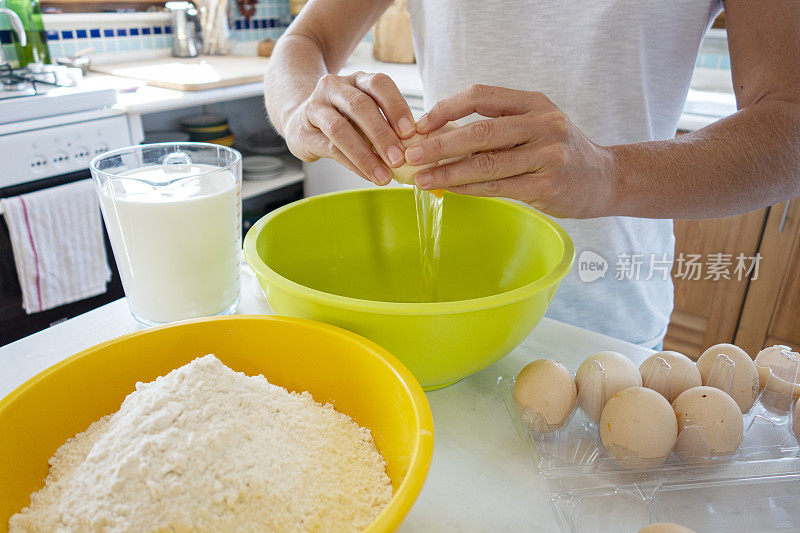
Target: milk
176,245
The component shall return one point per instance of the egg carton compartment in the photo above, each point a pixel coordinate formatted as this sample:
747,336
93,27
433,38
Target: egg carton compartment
731,505
591,491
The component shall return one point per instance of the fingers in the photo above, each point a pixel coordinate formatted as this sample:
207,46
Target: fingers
364,112
485,100
492,165
384,91
345,138
510,187
493,134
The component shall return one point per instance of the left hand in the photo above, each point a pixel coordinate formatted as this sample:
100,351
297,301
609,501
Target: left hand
528,150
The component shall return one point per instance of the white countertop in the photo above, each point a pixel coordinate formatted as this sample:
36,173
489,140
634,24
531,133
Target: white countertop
482,477
702,107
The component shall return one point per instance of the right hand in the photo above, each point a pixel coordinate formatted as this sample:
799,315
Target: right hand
322,126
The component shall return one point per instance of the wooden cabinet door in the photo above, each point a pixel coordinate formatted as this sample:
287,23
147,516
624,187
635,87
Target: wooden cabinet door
706,311
771,312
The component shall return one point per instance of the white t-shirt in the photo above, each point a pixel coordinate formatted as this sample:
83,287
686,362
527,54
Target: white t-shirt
620,69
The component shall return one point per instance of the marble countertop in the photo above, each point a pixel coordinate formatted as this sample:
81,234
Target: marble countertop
482,477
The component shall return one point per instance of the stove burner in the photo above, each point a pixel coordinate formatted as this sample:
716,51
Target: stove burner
23,82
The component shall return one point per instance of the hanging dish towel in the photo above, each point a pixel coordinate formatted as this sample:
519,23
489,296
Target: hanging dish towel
57,240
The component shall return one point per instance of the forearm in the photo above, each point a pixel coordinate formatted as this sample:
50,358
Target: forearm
296,65
318,42
746,161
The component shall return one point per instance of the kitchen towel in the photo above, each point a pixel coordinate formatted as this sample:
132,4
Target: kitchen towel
57,240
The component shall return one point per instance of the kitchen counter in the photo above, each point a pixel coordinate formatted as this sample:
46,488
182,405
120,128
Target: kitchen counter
482,477
136,98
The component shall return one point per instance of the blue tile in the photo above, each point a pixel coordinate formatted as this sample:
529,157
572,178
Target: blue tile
238,24
246,24
145,31
157,30
81,34
708,60
134,32
122,32
108,33
95,33
725,62
53,36
168,29
123,45
66,34
5,36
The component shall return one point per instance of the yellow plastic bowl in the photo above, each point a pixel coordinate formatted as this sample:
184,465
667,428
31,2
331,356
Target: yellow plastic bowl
352,259
360,378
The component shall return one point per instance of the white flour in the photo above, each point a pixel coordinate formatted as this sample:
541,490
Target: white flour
206,448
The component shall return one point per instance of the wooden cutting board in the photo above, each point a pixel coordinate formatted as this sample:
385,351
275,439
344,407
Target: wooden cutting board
191,74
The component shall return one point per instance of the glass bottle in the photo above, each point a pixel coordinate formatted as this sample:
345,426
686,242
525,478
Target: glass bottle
36,49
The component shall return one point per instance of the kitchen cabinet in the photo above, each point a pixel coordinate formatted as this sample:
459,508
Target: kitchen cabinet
751,313
771,311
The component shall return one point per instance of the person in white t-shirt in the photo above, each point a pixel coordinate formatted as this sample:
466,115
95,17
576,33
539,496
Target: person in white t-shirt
573,109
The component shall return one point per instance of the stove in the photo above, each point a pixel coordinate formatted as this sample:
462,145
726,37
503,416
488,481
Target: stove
46,91
53,124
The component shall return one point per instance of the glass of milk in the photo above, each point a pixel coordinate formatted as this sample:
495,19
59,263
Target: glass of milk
173,212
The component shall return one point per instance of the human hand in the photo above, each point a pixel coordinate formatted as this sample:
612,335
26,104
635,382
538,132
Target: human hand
528,150
325,124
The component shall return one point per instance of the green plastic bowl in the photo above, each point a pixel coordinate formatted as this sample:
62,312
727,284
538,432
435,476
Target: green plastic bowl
352,259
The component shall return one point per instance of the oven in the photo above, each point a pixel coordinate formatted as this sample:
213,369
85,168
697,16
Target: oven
47,139
14,322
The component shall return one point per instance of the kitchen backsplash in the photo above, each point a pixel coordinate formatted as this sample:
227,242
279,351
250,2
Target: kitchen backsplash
130,36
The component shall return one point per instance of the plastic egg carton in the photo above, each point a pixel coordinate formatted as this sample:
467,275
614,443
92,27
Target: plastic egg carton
755,489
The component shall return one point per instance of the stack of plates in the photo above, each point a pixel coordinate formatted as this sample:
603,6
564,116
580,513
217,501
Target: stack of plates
264,142
261,167
166,136
208,128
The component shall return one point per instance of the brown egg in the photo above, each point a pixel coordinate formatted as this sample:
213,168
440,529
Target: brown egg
666,527
682,374
745,376
709,423
638,428
545,395
600,377
766,360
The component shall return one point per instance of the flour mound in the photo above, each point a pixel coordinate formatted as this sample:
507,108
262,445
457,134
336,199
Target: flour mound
205,448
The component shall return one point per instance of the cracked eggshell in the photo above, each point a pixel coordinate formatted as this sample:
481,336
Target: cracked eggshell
405,173
683,373
745,375
638,427
766,359
715,412
620,373
545,394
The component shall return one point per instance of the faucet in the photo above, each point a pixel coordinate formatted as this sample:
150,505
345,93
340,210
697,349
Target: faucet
16,25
